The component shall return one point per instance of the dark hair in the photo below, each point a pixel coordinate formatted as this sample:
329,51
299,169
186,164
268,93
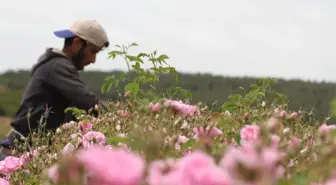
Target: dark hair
107,44
68,41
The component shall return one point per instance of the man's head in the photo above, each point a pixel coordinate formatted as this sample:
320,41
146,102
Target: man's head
83,40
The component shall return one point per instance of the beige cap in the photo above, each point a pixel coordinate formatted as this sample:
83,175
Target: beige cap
89,30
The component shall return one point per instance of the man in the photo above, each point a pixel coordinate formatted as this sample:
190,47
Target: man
55,83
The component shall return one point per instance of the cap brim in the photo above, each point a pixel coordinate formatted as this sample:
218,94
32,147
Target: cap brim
64,34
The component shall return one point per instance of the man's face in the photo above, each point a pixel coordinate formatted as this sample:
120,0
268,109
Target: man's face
83,54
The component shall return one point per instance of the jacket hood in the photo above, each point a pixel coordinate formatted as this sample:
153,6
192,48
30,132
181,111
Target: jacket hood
49,54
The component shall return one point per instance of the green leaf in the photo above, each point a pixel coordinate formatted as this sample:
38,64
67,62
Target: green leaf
163,57
142,55
187,144
237,138
141,79
113,54
262,94
131,58
137,67
155,69
230,106
235,97
75,111
134,58
283,182
254,86
105,87
108,82
180,90
300,180
242,89
117,139
122,76
173,72
32,182
133,87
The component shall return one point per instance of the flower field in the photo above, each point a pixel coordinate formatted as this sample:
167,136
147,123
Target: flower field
150,139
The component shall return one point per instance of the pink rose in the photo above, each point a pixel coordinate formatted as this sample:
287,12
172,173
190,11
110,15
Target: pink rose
155,171
4,182
109,147
84,127
68,149
126,114
25,158
273,124
331,181
324,128
196,168
209,132
263,164
294,115
225,141
184,109
12,163
275,141
128,94
68,125
114,166
283,114
155,107
53,173
93,137
3,168
249,134
295,142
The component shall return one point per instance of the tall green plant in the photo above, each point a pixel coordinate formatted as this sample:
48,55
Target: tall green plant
258,93
142,77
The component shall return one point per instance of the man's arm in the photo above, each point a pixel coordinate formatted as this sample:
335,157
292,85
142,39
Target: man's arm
64,77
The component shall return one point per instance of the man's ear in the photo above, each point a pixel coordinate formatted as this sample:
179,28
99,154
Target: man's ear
76,44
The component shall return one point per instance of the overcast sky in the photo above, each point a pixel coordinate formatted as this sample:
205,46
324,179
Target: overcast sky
280,38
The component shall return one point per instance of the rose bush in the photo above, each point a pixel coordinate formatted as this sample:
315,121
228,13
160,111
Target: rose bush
154,140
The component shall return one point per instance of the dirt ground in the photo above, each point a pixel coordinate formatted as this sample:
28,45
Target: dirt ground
4,126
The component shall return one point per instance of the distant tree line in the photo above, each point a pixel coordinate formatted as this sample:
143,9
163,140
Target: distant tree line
204,87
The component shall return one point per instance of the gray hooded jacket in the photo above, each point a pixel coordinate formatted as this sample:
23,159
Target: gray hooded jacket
54,85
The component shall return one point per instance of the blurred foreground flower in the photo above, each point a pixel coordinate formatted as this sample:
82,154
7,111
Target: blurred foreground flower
4,182
107,166
247,165
196,168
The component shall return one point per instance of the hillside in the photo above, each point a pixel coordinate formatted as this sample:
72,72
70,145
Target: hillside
204,87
